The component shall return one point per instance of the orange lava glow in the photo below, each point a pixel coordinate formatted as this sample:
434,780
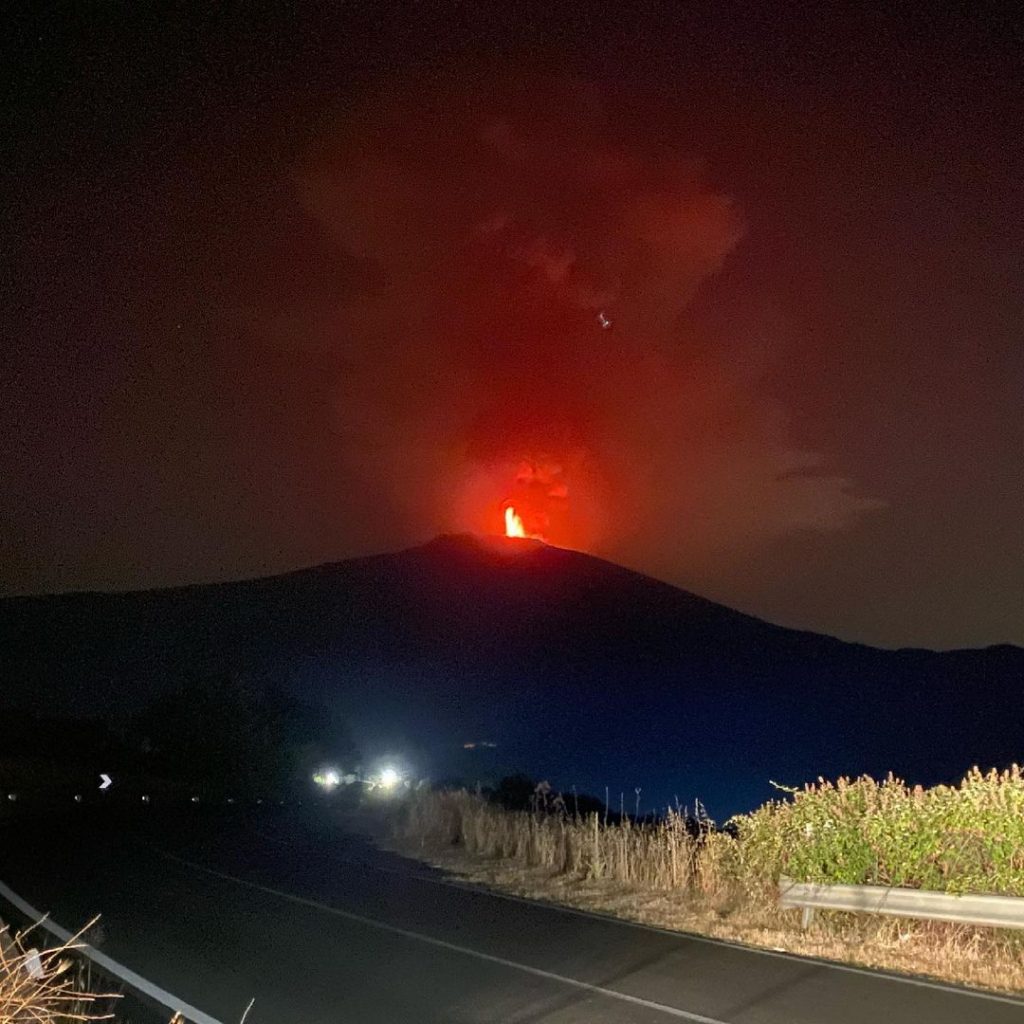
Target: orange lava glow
513,523
540,498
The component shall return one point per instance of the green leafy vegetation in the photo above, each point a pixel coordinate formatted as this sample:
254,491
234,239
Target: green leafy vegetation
965,838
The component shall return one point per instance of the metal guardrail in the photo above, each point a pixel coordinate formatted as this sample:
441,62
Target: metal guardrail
141,987
983,911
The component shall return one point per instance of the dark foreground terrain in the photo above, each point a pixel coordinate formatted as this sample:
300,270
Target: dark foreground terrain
295,909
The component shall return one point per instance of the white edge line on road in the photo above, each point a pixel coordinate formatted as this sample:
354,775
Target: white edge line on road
596,915
778,954
128,976
648,1004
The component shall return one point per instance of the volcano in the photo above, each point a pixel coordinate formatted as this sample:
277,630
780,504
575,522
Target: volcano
575,669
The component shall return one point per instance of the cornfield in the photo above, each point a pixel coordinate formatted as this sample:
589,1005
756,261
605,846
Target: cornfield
965,838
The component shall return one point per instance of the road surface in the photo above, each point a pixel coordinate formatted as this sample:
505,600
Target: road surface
320,928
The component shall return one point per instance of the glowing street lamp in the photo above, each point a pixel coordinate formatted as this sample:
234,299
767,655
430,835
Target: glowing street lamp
327,779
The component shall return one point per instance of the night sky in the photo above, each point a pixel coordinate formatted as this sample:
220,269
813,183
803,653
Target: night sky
288,288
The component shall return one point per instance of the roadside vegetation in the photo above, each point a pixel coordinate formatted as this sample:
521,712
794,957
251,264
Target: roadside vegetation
681,871
55,984
46,986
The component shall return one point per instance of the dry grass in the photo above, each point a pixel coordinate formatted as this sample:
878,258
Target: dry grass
45,986
709,883
53,985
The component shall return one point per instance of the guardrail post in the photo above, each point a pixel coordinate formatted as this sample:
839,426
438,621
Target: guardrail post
806,917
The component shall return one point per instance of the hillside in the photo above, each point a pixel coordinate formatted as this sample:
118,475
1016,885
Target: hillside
574,667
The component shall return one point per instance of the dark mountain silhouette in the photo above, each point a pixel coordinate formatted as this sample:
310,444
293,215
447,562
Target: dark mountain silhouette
575,668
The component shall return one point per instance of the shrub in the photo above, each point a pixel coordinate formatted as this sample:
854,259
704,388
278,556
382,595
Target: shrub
965,838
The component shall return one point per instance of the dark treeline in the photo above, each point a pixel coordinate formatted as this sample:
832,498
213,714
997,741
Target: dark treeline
219,735
520,792
228,732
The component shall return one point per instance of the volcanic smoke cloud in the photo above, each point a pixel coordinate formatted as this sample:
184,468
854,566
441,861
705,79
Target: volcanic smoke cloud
516,330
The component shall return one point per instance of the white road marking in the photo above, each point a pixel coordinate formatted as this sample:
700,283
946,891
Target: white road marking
670,1011
596,915
128,976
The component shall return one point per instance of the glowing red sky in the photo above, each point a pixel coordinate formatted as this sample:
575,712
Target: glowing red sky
291,291
481,366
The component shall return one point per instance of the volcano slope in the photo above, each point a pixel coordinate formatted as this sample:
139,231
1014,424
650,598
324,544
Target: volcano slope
577,669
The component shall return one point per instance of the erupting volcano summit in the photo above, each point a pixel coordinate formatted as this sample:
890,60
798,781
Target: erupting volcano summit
514,526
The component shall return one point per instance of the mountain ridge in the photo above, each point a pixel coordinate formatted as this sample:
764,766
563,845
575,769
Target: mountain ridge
581,669
480,543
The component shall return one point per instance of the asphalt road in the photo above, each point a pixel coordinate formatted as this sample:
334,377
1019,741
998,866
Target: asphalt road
320,928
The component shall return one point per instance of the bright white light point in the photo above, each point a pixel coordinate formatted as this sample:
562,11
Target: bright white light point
328,778
389,778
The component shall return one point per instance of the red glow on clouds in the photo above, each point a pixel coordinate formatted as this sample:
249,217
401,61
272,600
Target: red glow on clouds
602,440
538,498
540,494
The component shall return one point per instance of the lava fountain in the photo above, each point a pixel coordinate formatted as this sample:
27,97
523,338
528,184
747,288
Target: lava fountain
513,523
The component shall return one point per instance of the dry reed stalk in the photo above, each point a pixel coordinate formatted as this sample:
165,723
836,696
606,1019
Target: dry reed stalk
40,987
